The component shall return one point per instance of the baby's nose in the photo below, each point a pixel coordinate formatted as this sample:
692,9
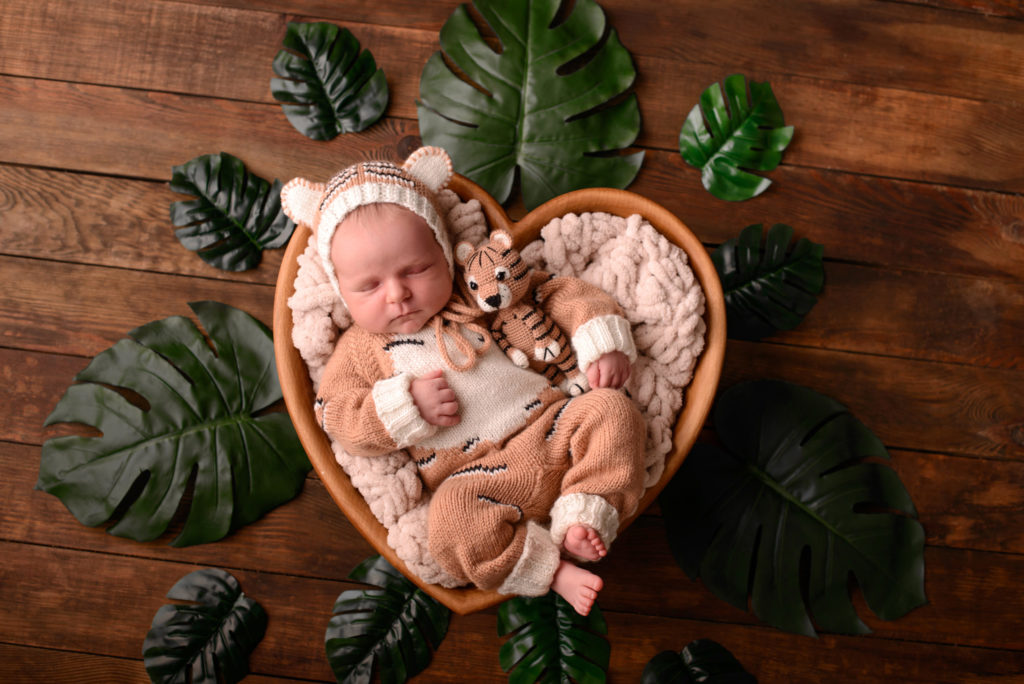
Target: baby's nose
397,292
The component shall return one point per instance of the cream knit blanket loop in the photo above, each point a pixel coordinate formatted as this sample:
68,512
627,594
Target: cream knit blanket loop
648,276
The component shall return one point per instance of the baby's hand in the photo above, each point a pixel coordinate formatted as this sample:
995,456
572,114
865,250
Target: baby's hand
435,399
610,370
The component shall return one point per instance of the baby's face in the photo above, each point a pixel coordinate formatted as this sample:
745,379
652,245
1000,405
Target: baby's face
391,271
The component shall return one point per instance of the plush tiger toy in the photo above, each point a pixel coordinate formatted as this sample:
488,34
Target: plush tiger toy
501,283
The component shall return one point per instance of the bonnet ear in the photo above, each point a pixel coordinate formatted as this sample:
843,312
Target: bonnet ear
431,166
300,200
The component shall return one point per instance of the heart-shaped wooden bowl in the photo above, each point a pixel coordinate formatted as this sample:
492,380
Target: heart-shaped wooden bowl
298,388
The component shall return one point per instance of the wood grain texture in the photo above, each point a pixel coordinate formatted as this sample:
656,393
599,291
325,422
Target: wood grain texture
90,219
896,44
878,131
330,549
33,383
104,221
915,405
999,8
25,665
932,317
20,664
44,296
877,221
84,589
905,166
293,648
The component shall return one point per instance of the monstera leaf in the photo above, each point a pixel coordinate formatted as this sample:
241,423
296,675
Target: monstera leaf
234,216
396,627
327,86
547,102
748,134
792,508
551,642
769,291
209,640
198,423
702,660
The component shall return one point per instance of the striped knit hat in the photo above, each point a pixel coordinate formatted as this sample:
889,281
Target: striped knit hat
414,185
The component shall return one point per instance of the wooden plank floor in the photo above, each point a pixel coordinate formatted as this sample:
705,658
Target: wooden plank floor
907,166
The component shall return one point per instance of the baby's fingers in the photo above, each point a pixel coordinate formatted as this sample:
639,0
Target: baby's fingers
618,377
448,414
433,375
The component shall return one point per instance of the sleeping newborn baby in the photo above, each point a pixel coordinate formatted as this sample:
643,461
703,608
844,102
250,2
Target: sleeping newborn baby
523,479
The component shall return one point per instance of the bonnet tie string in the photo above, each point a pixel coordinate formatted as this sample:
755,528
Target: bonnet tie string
453,315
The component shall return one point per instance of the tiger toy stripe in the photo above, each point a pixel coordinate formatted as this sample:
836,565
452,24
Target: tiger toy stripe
501,283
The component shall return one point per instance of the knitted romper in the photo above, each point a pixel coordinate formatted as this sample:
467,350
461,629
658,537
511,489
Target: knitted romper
523,456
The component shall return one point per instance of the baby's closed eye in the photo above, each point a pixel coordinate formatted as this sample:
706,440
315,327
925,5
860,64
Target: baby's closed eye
418,269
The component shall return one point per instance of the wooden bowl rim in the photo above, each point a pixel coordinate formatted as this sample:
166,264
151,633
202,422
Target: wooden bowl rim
298,388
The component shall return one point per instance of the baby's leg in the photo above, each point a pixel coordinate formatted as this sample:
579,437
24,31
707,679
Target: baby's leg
603,433
479,531
577,586
585,542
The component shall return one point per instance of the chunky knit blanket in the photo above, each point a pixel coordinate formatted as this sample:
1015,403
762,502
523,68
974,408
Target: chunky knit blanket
648,276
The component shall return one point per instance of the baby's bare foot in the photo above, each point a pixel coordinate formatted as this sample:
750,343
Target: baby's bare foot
584,542
577,586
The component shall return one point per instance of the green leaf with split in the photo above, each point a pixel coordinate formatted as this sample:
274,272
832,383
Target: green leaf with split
393,629
326,84
201,420
768,290
234,215
550,101
550,642
724,140
702,662
209,639
796,503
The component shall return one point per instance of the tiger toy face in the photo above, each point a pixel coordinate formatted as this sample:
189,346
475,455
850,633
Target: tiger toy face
494,272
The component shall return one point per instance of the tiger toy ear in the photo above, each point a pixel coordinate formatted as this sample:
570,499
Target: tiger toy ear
300,200
463,251
502,239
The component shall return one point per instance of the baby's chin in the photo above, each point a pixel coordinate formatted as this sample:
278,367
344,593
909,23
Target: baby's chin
407,324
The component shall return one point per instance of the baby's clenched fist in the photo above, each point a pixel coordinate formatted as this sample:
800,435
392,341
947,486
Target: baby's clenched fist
435,400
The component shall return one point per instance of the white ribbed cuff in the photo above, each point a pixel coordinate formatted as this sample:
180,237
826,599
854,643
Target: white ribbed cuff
601,335
535,570
584,509
397,410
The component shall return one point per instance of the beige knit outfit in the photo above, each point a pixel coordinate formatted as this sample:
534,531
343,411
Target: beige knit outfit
523,456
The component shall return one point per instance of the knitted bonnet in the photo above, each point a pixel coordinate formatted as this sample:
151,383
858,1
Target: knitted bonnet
414,185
